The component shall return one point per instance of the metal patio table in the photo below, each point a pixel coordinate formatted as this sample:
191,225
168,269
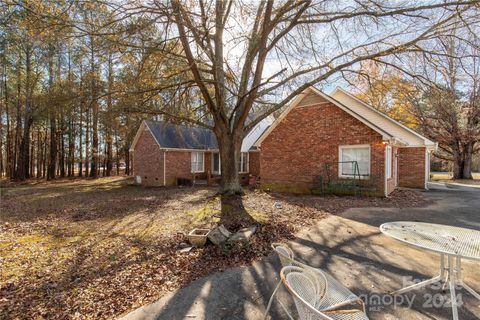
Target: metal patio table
454,242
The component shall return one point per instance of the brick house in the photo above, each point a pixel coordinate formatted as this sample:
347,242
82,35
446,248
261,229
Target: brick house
339,136
165,154
317,136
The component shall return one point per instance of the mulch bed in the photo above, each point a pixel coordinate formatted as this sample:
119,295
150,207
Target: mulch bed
107,280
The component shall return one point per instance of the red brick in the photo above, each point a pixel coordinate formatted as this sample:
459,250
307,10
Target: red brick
298,148
412,167
254,163
148,160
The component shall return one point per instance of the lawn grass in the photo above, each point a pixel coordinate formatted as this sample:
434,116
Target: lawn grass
447,177
60,240
99,248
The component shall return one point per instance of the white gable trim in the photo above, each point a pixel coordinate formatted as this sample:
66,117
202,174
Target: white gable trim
385,135
296,101
142,127
427,141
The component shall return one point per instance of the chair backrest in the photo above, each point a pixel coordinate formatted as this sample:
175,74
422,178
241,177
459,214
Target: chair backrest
308,288
284,253
286,256
317,289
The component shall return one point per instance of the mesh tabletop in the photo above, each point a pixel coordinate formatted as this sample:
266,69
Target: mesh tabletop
456,241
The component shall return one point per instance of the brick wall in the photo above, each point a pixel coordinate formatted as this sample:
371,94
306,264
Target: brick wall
148,160
254,163
148,163
296,151
411,167
178,165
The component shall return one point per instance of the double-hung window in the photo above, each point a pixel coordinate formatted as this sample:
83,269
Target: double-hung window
198,162
243,166
388,160
354,161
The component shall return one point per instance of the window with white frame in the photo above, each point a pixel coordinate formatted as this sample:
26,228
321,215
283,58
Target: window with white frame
243,167
354,161
388,161
198,162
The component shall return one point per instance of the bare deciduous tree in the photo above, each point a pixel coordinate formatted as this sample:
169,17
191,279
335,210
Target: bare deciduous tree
246,61
449,110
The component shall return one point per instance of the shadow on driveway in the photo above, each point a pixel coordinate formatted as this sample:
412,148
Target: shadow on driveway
352,249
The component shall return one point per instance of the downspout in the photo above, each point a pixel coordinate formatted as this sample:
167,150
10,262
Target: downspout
164,165
427,167
385,171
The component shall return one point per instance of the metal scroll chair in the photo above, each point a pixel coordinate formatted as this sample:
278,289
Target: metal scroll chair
336,297
309,289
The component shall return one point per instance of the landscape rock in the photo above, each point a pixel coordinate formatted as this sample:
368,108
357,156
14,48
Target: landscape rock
182,245
219,235
243,235
186,249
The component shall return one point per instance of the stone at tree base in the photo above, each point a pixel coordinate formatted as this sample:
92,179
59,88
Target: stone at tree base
186,249
219,235
182,245
243,235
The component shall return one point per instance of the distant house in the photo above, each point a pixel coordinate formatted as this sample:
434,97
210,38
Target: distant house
318,138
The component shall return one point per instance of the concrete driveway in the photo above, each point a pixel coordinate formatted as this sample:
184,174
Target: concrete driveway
351,248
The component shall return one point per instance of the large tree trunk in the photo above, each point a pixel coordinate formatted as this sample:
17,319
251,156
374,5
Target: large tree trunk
467,161
80,124
39,155
457,166
117,154
94,104
109,118
23,165
32,157
52,159
87,142
18,125
230,156
7,114
462,162
62,147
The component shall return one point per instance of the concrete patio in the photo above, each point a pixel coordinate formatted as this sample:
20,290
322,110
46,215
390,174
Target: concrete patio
352,249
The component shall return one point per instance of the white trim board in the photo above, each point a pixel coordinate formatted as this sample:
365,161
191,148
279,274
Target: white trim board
427,142
140,130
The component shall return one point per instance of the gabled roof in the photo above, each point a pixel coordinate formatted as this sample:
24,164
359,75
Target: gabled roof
174,136
327,98
388,128
177,136
395,128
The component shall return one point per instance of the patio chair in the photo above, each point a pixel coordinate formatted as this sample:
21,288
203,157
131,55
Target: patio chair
309,289
337,295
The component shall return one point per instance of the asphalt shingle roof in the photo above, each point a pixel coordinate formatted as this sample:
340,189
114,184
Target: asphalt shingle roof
176,136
